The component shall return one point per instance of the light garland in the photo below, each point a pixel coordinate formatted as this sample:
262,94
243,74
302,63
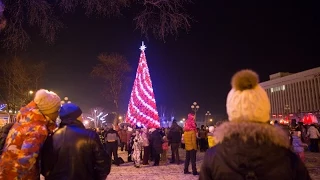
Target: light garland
142,108
2,106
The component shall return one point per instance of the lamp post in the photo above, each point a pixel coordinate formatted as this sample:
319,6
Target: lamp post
65,100
207,115
195,107
286,111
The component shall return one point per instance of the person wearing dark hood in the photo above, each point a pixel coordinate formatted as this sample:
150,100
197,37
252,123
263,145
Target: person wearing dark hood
72,151
248,147
156,144
112,140
174,137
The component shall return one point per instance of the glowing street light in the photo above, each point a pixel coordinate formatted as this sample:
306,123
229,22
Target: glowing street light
207,115
65,100
195,107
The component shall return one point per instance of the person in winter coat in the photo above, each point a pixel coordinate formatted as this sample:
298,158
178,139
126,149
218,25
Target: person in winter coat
174,137
74,152
130,143
211,141
165,147
4,134
137,149
156,144
202,133
26,137
112,140
145,144
298,145
248,147
190,140
123,138
314,136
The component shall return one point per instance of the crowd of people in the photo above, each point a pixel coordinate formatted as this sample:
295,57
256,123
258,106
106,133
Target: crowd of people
245,147
145,145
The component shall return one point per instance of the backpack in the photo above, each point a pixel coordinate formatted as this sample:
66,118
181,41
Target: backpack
4,131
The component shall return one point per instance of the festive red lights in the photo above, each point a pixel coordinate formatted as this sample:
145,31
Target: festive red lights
142,105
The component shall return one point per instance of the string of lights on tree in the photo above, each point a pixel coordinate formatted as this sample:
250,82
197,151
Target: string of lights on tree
142,107
2,107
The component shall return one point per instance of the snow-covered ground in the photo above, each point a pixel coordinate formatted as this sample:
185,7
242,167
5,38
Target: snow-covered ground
175,172
163,172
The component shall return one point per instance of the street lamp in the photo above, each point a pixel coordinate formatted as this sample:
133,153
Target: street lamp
66,100
29,96
207,115
195,107
286,111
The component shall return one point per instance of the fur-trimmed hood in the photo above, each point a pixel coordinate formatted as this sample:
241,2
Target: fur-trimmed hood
260,133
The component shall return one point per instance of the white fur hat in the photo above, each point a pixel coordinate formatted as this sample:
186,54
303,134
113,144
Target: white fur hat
152,129
247,100
211,129
48,102
130,129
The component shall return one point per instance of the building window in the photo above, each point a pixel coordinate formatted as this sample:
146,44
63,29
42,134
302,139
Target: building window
279,88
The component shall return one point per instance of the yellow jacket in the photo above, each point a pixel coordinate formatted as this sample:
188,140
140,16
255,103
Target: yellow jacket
211,141
190,140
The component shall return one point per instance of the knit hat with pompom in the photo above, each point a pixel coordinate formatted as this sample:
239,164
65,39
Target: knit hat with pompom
247,100
190,124
48,102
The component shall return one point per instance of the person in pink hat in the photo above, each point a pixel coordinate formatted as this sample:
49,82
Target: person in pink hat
190,140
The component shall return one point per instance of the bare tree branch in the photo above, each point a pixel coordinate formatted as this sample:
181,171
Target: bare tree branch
17,79
112,69
160,17
163,17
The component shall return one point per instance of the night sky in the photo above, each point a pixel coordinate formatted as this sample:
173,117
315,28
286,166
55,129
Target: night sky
226,36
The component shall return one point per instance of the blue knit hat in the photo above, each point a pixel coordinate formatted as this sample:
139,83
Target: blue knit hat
69,111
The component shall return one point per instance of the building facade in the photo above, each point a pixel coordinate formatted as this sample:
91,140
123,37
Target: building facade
292,94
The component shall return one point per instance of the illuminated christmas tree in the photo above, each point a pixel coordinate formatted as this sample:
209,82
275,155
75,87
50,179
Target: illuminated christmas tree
142,108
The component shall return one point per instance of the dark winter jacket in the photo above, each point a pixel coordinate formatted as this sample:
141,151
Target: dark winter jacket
3,135
74,153
175,133
156,141
112,136
252,151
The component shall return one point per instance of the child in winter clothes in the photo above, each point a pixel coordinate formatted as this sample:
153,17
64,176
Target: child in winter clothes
211,141
130,143
165,147
298,145
137,149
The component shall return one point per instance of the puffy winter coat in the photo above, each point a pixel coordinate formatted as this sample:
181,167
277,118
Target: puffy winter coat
211,141
24,141
251,151
175,133
74,152
190,140
313,133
